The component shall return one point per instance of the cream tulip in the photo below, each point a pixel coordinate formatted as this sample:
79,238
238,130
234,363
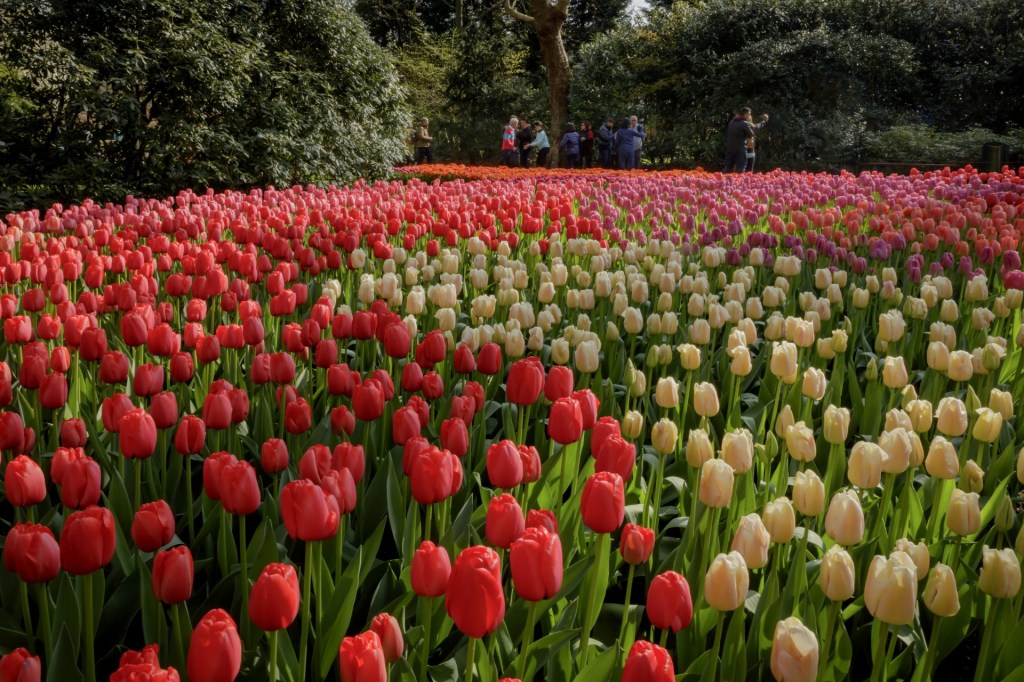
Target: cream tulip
794,651
890,591
738,450
837,575
865,466
836,424
666,393
689,356
1000,573
726,582
814,383
963,516
800,442
972,477
942,461
987,426
940,592
705,399
783,361
751,541
844,521
808,493
698,448
664,435
951,417
780,520
918,553
716,484
894,372
920,413
784,421
741,364
587,356
961,368
1001,402
898,448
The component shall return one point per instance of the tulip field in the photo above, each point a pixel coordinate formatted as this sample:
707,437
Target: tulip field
487,424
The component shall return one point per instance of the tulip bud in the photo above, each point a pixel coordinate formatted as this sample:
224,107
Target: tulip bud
727,582
716,483
784,421
844,521
836,425
920,413
865,466
987,426
632,425
808,493
942,461
665,436
963,516
705,399
890,592
837,574
952,417
940,592
794,651
1000,573
972,479
800,442
1006,516
751,541
698,448
689,356
666,393
918,553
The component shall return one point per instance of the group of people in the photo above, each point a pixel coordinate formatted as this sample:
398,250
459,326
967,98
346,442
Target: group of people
620,146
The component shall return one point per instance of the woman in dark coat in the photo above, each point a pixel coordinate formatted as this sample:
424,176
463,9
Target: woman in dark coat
570,146
586,145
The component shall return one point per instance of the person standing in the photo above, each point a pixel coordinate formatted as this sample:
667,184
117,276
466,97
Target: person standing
508,142
570,146
604,136
739,131
586,145
625,138
422,140
638,141
541,144
524,137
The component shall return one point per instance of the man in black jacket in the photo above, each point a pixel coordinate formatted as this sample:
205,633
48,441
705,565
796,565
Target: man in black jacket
524,137
740,130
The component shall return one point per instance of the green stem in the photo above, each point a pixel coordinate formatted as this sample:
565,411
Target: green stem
26,612
625,608
307,584
830,632
987,640
179,633
188,493
531,620
659,479
878,673
717,646
426,615
273,655
243,568
470,659
591,595
929,654
88,628
429,523
933,516
43,598
138,484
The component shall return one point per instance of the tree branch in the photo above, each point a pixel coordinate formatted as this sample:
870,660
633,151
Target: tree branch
562,5
513,12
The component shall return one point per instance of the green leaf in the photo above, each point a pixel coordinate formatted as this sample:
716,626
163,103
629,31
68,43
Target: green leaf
734,660
67,616
601,667
63,667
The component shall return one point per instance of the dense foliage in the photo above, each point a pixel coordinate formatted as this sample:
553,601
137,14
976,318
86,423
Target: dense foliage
103,99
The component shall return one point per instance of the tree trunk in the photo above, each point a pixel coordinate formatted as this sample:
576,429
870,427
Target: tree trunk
548,17
548,21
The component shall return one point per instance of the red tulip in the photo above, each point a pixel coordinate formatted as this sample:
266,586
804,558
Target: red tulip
351,457
273,456
341,380
238,487
73,433
212,466
525,381
190,437
20,666
282,368
173,574
143,666
148,380
488,360
182,367
53,391
368,401
112,409
472,389
422,408
343,421
239,405
405,424
648,663
298,416
274,602
433,386
80,481
397,342
431,475
215,652
87,541
24,482
31,552
464,362
315,462
565,423
308,512
342,487
431,568
605,428
153,526
164,409
137,434
163,341
455,436
636,544
32,372
412,377
669,605
504,465
361,658
463,407
390,634
217,411
618,455
603,503
559,383
435,347
536,563
542,518
589,405
12,431
478,605
364,325
530,458
504,521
